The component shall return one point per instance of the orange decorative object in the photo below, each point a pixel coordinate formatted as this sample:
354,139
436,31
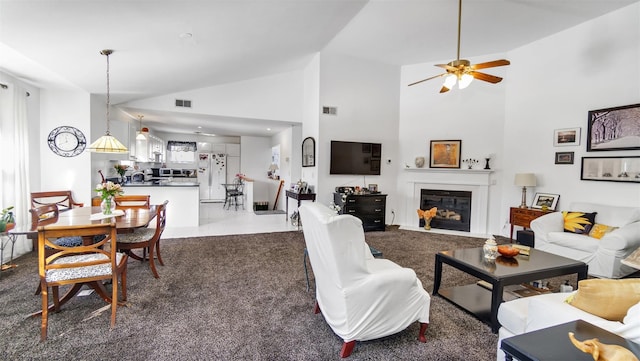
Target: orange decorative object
508,251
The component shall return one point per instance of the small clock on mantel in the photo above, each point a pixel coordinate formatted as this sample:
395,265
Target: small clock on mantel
67,141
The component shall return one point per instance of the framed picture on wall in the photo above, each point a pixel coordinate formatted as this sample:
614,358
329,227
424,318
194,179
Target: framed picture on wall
564,157
445,154
614,128
568,136
611,169
545,200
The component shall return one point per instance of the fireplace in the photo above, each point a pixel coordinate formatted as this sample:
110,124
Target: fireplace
474,181
454,208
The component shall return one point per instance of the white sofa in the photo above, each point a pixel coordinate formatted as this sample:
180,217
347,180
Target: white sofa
602,255
529,314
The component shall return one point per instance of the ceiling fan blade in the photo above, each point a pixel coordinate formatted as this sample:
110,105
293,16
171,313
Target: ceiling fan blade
447,67
444,89
486,77
423,80
491,64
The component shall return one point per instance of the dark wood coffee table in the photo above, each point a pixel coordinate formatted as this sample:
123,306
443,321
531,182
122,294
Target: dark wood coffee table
484,303
553,343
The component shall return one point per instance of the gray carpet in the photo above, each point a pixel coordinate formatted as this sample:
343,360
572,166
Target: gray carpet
234,298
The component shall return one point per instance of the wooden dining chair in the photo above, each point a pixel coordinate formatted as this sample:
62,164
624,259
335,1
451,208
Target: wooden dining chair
80,265
133,202
63,199
146,239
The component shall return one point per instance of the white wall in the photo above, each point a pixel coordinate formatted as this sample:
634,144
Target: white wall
474,115
311,116
367,97
255,161
275,97
65,107
550,84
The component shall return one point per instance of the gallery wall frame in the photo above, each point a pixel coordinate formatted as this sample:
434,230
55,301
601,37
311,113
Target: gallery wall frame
566,136
614,128
611,169
545,199
564,157
445,153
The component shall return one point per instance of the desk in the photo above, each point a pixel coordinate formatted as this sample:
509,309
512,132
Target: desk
299,197
553,343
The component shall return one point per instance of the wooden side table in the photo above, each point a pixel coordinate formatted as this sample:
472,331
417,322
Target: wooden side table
523,216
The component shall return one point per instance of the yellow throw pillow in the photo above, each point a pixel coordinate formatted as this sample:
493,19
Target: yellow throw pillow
606,298
599,230
578,222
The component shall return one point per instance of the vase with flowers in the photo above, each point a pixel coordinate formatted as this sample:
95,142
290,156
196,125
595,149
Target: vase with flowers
108,191
427,216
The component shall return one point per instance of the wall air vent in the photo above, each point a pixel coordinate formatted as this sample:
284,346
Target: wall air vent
183,103
330,110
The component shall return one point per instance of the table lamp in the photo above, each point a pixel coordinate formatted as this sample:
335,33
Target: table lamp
525,180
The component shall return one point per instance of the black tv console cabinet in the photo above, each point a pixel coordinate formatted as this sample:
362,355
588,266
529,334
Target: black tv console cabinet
370,208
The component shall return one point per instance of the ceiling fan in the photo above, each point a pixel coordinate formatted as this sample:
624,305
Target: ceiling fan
461,70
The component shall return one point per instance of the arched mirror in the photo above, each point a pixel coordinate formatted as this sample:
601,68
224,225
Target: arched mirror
309,152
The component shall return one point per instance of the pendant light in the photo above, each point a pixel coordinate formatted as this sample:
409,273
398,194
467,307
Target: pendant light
142,133
107,143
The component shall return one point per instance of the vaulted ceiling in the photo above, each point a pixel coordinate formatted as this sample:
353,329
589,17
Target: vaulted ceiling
168,46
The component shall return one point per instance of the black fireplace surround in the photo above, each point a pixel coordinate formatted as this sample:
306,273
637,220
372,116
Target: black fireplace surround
454,209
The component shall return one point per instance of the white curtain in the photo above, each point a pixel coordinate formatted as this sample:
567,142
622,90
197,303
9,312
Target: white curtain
14,144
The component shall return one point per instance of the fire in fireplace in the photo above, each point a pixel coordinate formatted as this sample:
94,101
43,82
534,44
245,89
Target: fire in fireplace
454,208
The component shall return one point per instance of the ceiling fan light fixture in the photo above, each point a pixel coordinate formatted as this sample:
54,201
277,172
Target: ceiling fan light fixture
465,80
107,143
461,71
450,81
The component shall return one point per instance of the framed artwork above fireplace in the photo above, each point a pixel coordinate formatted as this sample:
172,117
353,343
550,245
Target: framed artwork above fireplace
445,154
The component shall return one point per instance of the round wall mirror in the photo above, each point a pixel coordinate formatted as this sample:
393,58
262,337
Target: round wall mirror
309,152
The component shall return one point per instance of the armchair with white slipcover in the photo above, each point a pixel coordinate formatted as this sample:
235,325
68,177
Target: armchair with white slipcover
361,297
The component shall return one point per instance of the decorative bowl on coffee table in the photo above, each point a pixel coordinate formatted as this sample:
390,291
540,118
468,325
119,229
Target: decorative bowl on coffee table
508,251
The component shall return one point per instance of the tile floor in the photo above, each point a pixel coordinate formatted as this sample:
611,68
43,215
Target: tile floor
216,221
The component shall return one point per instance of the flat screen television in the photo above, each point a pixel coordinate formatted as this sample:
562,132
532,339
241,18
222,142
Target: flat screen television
355,158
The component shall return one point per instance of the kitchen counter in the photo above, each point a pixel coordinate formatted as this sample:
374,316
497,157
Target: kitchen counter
183,208
161,184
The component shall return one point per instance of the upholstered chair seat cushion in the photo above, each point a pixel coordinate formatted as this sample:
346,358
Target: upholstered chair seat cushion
140,235
68,241
74,241
57,275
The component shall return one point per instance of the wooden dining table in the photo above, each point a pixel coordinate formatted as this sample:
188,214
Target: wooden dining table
128,222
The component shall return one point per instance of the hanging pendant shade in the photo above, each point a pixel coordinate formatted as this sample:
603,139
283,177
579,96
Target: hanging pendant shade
107,143
142,133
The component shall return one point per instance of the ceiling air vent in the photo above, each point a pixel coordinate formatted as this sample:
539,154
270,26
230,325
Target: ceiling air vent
330,110
183,103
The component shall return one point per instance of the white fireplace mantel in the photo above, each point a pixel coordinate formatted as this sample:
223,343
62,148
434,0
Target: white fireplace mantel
476,181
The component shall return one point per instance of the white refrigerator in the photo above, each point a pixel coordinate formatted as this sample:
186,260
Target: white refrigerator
212,175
